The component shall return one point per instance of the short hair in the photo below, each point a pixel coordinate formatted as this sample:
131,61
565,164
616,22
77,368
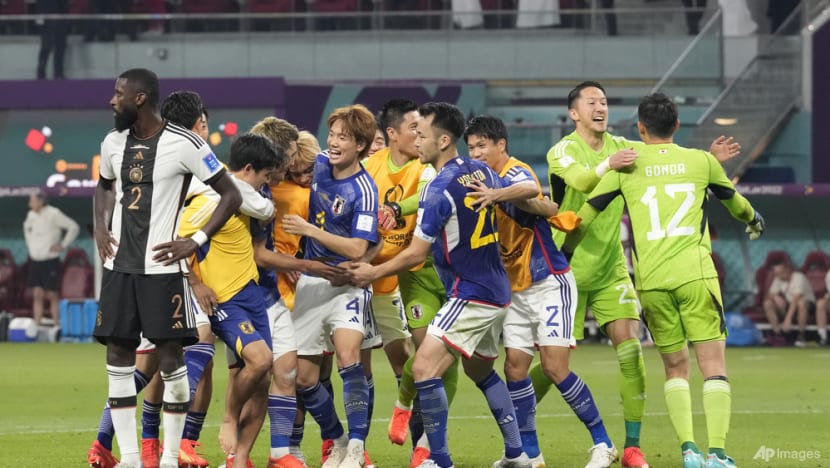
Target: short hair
574,94
658,114
145,81
307,147
40,196
486,126
256,150
280,132
391,115
358,122
780,261
183,108
446,116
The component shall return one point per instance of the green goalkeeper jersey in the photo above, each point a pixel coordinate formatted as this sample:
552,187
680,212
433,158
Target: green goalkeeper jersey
599,259
665,193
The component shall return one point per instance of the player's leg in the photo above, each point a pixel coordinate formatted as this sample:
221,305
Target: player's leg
38,298
702,316
118,326
54,306
773,305
151,409
803,310
199,361
617,312
663,316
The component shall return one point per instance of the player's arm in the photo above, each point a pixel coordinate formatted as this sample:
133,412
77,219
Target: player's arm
485,196
70,226
281,262
205,296
563,164
352,248
389,212
605,192
415,254
737,205
104,204
253,203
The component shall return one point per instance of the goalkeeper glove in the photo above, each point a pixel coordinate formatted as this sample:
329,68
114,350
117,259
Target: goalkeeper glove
395,208
756,227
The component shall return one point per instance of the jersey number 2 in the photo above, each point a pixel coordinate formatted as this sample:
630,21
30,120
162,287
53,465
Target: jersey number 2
672,229
478,239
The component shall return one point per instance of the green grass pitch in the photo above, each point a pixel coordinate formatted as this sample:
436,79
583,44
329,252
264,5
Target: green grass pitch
51,396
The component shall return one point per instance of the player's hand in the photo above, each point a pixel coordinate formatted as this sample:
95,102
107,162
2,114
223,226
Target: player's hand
622,158
106,243
362,274
335,274
205,297
386,217
168,253
293,277
756,227
294,224
483,196
725,148
343,278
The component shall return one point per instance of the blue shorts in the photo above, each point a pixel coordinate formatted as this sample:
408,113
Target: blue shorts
242,320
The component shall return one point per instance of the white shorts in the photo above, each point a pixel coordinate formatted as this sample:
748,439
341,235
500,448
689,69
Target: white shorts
389,316
469,328
320,309
283,339
147,346
542,315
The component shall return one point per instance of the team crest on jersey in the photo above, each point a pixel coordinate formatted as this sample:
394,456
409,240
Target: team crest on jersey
246,328
416,311
136,174
338,205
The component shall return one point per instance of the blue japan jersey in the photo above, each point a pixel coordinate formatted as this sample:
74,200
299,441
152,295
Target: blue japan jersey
267,277
465,243
344,207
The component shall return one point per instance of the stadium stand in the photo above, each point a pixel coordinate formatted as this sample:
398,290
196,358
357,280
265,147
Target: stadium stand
8,270
77,275
815,267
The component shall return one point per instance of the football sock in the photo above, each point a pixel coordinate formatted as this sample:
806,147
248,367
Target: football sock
541,382
298,426
281,412
434,411
501,406
176,400
317,401
679,406
717,406
524,401
105,427
196,358
577,394
356,400
193,425
122,401
150,420
632,388
371,408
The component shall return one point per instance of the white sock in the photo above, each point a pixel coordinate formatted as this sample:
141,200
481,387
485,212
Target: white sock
822,333
122,390
176,398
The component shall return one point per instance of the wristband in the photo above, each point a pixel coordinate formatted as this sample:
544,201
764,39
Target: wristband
395,209
603,167
199,237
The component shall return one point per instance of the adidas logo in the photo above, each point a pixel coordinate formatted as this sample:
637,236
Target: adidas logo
139,156
178,325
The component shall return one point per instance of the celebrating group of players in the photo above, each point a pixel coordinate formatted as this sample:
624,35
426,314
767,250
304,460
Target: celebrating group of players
379,246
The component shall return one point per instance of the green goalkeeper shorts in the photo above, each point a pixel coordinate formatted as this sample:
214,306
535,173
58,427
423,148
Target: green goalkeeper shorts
423,294
691,312
613,302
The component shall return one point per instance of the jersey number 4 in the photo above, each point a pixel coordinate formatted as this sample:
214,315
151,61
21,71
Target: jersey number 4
672,228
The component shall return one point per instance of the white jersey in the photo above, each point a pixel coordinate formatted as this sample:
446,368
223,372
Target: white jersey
151,178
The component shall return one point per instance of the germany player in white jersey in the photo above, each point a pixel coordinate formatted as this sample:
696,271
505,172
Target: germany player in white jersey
146,166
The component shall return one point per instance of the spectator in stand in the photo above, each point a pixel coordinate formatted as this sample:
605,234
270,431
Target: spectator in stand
52,37
42,229
822,311
790,292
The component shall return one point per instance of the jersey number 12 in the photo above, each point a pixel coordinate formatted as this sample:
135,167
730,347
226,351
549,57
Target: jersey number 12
672,229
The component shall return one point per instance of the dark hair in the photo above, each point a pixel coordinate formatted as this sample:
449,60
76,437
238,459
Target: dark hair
183,108
144,81
574,94
446,116
256,150
658,113
391,115
488,127
780,261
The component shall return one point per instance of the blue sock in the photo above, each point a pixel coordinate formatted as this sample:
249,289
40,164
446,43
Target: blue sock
281,412
298,429
524,401
435,412
193,425
370,381
356,400
320,406
326,383
498,398
150,420
196,358
105,428
578,396
416,422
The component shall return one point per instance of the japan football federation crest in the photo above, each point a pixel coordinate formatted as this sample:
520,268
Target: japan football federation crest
338,205
246,327
416,311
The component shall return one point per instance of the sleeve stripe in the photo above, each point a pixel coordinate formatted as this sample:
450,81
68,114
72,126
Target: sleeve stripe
190,136
368,195
559,148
